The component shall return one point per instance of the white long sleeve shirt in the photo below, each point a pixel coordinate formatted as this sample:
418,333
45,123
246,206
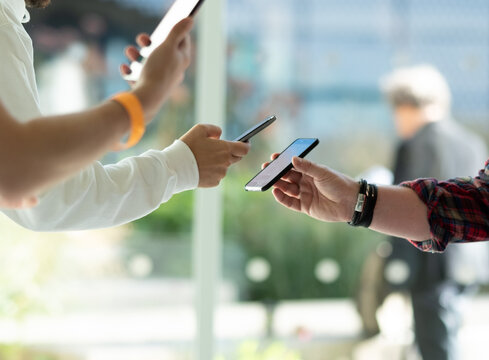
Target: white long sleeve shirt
100,196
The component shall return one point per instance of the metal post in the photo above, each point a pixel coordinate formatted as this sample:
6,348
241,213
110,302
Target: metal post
207,228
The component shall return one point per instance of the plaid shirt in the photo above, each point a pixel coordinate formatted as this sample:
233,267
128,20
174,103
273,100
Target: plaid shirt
458,210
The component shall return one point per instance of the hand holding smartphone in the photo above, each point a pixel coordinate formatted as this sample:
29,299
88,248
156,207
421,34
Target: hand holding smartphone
265,179
180,10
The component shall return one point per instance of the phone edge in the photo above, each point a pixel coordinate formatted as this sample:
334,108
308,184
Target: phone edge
196,8
287,169
265,123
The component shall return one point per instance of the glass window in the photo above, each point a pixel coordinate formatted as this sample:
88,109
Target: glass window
317,66
292,287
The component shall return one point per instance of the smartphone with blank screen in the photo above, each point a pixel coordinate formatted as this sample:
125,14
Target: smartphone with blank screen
265,179
248,134
180,10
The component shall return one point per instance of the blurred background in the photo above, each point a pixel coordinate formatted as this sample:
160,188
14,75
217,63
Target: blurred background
291,286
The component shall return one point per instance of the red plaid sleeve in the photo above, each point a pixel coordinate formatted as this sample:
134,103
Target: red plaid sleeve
458,210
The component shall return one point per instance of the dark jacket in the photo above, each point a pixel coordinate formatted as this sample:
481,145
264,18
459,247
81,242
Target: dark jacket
442,150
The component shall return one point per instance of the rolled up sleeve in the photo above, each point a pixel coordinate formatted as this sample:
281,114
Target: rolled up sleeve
458,210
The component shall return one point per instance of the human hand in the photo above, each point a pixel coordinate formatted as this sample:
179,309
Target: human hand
22,203
164,69
317,191
213,156
132,53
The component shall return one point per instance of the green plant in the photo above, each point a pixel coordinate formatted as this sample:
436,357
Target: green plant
256,226
251,350
173,217
293,244
27,261
18,352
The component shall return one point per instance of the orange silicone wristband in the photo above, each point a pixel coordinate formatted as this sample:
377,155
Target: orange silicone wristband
134,109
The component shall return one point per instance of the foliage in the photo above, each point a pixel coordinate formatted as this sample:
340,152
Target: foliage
18,352
256,226
27,260
173,217
251,351
293,244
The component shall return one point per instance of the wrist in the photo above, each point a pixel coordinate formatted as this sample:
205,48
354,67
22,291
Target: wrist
115,114
135,111
350,200
148,100
365,205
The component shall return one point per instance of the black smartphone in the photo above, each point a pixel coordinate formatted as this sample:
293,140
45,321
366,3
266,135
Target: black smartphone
247,135
265,179
180,10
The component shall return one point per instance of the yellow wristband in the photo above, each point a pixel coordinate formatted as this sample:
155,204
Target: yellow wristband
134,109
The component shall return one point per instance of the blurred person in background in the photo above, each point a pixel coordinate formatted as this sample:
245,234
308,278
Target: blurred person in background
105,196
433,145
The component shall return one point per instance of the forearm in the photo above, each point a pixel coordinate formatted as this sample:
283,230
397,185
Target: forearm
111,195
47,150
50,149
67,143
400,212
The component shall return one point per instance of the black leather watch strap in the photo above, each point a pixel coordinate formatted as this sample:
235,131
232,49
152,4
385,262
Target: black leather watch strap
360,203
365,206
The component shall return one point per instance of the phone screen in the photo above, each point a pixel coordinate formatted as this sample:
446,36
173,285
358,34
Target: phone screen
177,12
281,165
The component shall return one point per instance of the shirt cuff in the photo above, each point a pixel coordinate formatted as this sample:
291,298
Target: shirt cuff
426,191
181,160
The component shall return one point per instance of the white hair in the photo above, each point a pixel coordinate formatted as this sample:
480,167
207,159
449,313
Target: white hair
421,86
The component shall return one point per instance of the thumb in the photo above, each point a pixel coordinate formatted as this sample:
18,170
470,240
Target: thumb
309,168
212,131
180,31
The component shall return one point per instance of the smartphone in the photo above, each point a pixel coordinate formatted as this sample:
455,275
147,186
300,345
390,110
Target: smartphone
247,135
180,10
281,165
